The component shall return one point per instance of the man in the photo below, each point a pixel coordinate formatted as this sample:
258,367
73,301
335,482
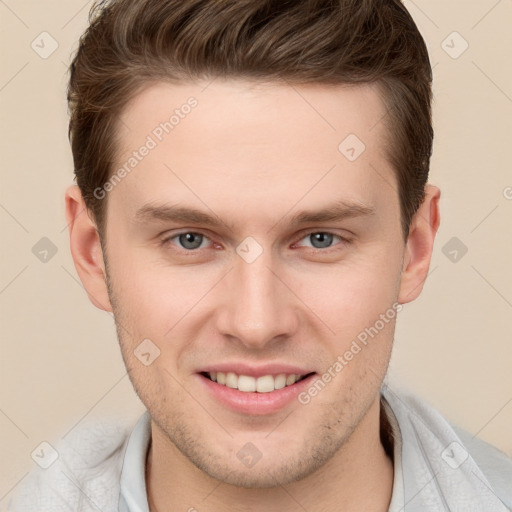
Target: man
252,205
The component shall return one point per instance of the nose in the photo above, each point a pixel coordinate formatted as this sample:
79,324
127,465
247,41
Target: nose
258,307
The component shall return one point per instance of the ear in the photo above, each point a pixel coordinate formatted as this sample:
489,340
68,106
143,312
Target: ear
86,249
419,246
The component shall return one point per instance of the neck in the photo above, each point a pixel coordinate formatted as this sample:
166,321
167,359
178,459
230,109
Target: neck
358,477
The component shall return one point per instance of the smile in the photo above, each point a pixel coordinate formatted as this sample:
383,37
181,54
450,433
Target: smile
254,395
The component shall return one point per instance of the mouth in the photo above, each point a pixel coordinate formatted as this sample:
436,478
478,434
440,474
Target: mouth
254,395
250,384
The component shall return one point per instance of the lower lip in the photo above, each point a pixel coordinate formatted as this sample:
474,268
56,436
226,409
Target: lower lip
255,403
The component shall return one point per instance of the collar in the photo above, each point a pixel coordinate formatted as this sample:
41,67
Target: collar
437,472
133,495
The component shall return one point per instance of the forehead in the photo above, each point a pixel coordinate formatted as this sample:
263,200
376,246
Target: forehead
254,111
267,143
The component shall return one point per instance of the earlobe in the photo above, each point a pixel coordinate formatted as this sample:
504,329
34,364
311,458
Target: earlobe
419,246
86,249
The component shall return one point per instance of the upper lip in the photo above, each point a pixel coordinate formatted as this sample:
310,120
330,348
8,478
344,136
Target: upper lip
242,368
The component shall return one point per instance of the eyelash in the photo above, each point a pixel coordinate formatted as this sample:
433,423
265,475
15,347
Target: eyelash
343,240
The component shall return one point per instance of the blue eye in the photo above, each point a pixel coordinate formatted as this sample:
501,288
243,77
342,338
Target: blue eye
188,240
324,240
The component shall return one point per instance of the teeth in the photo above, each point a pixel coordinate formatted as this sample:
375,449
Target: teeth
231,380
248,384
290,379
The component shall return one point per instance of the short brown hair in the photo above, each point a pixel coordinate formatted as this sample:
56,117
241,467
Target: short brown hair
131,43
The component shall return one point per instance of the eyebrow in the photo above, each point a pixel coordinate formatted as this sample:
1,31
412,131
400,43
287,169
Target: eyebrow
332,212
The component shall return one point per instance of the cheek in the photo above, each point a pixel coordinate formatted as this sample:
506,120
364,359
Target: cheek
351,296
149,295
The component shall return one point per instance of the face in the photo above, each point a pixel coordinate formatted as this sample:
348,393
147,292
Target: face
301,258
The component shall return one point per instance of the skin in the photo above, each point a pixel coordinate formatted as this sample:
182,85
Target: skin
255,155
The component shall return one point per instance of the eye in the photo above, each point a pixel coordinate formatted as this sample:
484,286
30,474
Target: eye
188,240
323,239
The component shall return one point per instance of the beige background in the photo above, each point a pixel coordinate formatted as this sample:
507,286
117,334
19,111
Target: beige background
60,363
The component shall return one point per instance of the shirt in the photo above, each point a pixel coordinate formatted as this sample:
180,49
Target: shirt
437,467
